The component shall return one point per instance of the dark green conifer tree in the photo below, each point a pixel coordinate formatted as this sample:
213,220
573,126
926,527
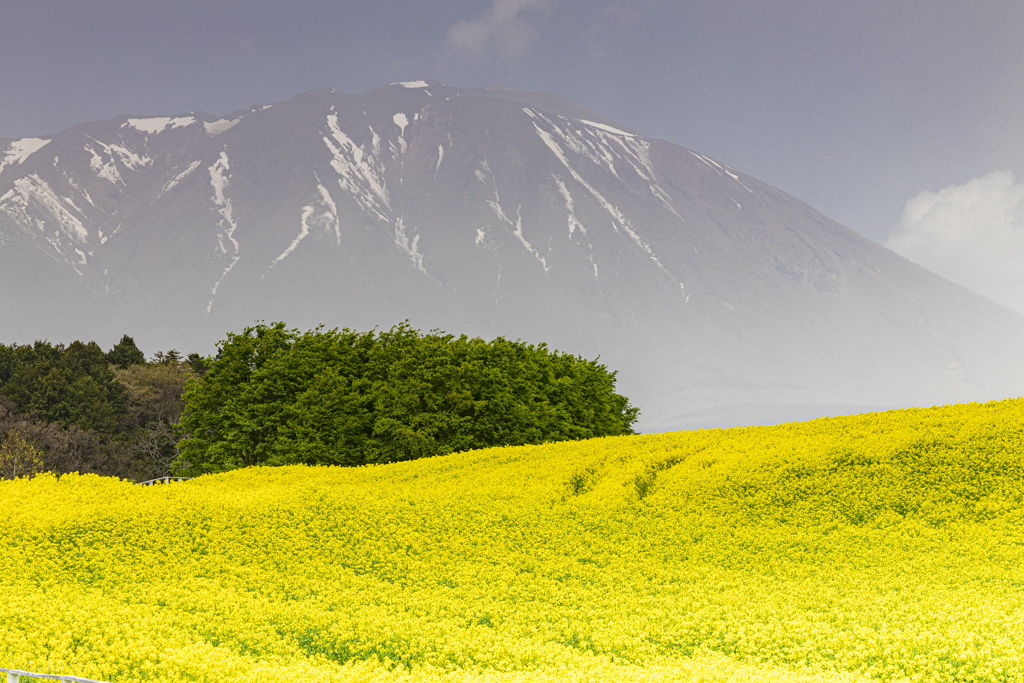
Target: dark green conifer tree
125,353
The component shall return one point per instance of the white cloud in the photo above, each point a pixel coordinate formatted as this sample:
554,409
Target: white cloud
506,29
972,234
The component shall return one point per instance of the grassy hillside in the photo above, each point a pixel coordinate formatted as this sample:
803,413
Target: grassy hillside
884,546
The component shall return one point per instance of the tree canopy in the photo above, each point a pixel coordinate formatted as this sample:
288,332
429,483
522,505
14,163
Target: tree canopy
85,410
279,396
71,384
125,353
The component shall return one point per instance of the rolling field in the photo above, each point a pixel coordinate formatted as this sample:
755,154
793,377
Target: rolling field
885,546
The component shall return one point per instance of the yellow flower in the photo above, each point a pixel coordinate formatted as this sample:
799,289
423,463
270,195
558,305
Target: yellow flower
886,546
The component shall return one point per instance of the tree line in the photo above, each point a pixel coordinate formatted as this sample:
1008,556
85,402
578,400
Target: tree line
76,408
272,395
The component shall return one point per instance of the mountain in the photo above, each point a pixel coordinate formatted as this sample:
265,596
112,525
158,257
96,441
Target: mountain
718,298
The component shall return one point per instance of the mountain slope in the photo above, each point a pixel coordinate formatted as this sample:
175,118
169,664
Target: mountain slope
487,212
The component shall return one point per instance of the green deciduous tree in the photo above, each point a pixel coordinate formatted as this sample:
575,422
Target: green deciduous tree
19,457
153,394
278,396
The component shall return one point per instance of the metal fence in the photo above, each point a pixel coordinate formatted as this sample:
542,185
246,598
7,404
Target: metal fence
14,674
159,480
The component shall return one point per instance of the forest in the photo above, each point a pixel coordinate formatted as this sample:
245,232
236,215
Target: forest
75,408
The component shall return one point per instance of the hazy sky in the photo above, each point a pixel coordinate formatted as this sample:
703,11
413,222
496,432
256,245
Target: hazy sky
855,106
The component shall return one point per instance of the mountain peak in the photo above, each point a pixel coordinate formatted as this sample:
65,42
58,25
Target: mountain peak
490,212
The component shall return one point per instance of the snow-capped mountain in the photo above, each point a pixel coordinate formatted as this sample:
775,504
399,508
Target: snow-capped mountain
491,212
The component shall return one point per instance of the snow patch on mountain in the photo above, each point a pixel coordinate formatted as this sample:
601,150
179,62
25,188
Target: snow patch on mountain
606,128
413,84
638,155
104,169
703,158
158,124
214,128
173,182
71,202
332,210
79,190
32,196
574,222
545,136
361,173
598,153
226,226
721,170
570,207
107,168
401,120
410,247
495,205
618,219
518,232
484,174
19,150
307,211
604,145
125,156
321,214
517,227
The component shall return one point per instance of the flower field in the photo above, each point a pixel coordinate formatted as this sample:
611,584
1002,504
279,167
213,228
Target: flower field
884,546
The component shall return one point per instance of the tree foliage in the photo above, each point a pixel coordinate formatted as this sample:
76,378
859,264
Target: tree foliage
153,396
125,353
278,396
71,384
19,457
89,411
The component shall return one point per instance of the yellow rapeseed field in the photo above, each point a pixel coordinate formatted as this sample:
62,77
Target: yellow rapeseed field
885,546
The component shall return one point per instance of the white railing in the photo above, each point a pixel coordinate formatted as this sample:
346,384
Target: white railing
14,674
165,480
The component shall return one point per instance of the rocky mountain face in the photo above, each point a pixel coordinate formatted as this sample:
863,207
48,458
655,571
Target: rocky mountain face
719,299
